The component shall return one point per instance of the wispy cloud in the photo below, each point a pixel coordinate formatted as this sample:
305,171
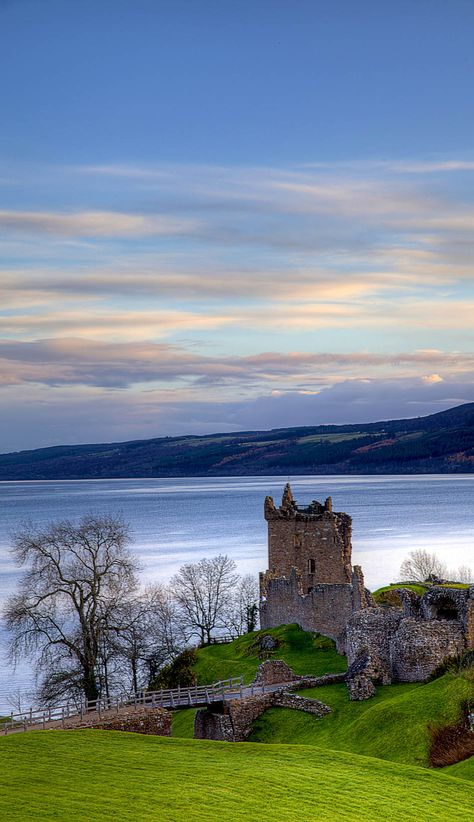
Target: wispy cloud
95,224
176,282
73,361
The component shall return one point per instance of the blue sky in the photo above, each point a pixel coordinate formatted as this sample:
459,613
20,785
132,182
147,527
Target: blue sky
224,215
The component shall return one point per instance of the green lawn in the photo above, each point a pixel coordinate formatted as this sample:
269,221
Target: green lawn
463,770
96,776
183,723
392,725
305,652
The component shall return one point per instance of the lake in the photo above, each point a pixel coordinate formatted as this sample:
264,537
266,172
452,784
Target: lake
180,520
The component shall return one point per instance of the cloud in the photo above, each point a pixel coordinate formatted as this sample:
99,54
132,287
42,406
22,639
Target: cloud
95,224
112,324
73,361
28,418
432,379
211,282
239,286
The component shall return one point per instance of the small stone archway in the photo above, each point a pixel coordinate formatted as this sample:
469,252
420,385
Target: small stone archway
442,605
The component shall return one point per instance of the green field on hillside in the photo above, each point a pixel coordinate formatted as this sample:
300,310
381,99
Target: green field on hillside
305,652
392,725
95,776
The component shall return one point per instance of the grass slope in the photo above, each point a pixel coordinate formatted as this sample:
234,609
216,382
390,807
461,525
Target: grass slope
95,776
305,652
393,725
463,770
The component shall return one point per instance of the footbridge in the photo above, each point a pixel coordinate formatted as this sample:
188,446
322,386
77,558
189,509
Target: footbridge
194,697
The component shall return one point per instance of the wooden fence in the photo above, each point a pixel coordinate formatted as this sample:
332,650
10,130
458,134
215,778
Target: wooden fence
164,698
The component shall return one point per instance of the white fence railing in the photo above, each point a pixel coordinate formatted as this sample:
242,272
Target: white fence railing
164,698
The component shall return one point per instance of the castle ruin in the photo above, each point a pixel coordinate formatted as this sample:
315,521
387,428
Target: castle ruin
407,643
310,579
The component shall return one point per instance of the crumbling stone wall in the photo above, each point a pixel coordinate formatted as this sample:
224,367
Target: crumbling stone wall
152,721
325,609
232,721
406,644
418,647
274,671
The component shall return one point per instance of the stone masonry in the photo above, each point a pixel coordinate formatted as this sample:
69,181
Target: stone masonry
152,721
232,721
406,644
310,579
274,671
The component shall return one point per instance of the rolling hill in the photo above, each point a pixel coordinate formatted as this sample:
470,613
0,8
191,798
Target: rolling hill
439,443
102,775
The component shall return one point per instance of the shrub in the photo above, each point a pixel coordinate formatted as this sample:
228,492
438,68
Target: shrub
179,672
453,743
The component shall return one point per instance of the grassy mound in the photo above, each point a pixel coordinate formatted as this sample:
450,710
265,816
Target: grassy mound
305,652
388,594
102,775
393,725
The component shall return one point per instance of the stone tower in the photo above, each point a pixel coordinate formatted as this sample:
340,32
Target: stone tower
314,540
310,579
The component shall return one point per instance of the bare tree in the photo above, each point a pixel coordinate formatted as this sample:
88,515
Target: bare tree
463,574
148,636
242,612
76,577
420,565
203,590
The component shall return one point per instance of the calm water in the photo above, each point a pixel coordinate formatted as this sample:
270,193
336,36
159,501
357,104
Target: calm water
180,520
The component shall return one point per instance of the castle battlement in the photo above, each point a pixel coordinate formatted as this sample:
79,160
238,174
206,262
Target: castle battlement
289,508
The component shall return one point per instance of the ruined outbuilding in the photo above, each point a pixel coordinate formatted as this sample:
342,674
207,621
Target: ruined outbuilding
406,644
310,579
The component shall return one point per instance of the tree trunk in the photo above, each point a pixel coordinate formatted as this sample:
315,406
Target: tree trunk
134,676
91,691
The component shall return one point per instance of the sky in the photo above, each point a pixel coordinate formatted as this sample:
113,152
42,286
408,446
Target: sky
219,216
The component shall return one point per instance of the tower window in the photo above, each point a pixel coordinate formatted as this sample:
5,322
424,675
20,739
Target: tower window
311,566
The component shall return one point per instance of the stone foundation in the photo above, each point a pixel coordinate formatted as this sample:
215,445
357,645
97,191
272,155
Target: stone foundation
152,721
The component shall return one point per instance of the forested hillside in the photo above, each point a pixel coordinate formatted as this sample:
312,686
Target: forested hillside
439,443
